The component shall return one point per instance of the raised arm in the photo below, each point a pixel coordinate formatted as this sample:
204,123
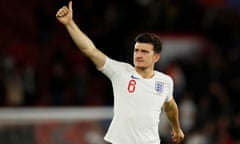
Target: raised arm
172,114
85,45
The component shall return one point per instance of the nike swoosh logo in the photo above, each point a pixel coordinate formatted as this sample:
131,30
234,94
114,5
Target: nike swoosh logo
133,77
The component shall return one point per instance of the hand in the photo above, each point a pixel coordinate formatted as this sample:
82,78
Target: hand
65,14
177,136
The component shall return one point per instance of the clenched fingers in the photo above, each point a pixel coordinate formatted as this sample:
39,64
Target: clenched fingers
62,12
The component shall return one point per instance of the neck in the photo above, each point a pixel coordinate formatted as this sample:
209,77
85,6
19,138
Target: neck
145,73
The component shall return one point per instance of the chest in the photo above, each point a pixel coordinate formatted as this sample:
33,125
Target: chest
142,93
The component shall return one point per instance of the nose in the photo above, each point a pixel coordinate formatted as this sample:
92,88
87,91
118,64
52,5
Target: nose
138,57
138,54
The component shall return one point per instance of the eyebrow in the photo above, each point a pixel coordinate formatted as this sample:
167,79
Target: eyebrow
143,50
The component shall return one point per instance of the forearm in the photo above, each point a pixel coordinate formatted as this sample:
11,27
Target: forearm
80,39
85,45
172,114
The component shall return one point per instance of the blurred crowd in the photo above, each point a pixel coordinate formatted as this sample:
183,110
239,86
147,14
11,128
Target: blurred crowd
41,66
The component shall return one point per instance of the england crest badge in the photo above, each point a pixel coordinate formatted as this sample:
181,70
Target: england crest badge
159,86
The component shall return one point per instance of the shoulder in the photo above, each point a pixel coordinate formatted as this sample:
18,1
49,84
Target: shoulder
116,66
112,62
120,64
164,77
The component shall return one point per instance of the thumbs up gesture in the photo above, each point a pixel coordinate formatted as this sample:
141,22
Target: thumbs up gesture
65,14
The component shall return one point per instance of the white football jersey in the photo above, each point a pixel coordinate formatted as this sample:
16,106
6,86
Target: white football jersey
137,103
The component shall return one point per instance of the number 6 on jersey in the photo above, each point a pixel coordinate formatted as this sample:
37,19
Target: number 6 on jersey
131,86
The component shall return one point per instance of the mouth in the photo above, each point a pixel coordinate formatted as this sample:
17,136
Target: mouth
139,60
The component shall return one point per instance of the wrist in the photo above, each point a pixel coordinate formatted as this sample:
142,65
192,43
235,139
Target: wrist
70,23
177,129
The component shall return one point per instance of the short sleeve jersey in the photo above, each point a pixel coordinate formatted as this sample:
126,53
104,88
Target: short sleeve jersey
137,103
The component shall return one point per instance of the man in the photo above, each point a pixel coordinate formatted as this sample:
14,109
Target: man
140,92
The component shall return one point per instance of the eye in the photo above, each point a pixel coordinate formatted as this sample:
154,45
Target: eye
145,51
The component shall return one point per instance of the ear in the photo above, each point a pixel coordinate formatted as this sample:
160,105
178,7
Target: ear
156,57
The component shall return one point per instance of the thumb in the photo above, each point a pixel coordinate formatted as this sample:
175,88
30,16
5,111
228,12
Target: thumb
70,5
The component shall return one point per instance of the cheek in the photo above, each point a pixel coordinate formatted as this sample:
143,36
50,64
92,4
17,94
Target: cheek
134,57
149,60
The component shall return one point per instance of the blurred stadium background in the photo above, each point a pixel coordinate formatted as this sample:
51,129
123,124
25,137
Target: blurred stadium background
50,93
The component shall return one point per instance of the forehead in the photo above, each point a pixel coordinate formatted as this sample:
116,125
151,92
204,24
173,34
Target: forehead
139,45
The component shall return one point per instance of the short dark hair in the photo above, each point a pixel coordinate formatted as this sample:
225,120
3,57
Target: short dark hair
152,39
